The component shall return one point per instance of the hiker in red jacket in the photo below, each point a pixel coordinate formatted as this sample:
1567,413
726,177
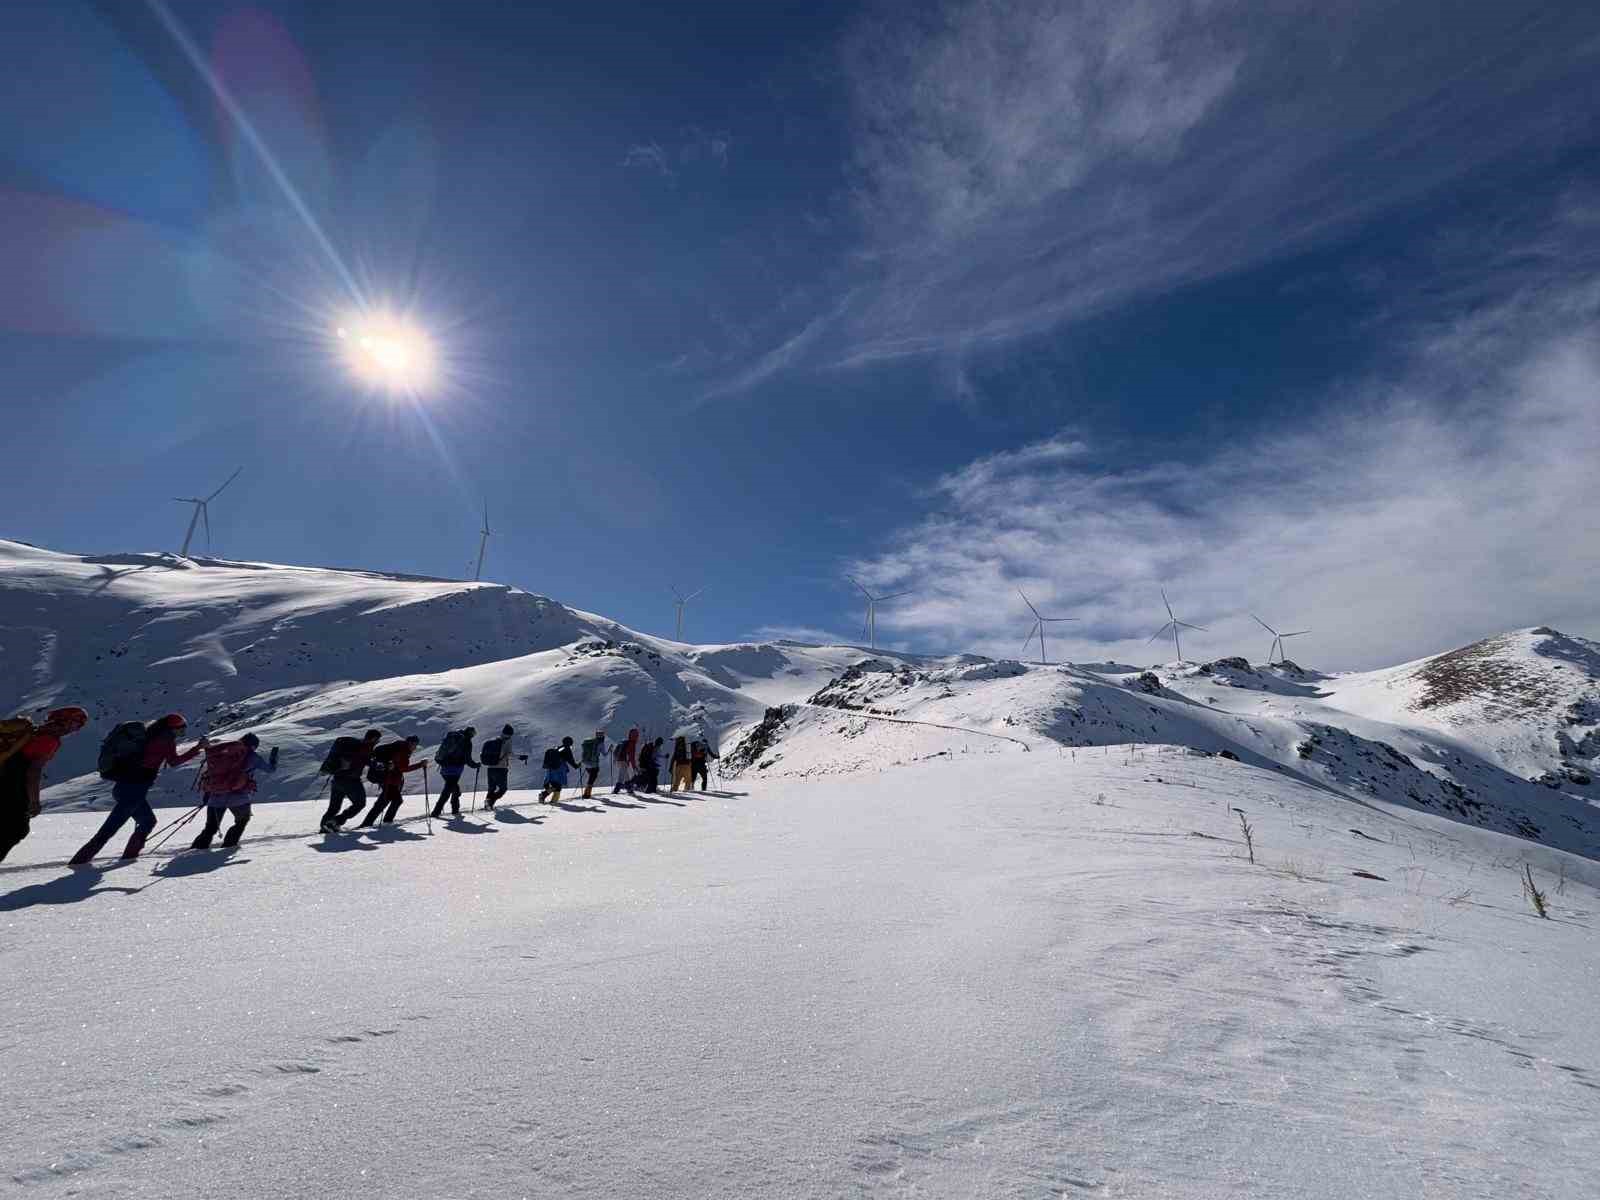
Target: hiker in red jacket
226,781
133,782
627,759
396,758
22,772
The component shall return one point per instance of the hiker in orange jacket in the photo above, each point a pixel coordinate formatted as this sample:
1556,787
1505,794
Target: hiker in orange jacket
22,772
227,780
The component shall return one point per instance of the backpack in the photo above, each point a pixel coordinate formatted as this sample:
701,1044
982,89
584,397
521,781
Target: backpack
591,751
122,749
341,757
621,752
552,759
224,773
378,767
490,757
14,734
453,751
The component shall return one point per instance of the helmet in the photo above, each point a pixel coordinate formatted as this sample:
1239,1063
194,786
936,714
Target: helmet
174,721
507,731
72,716
566,741
470,730
251,740
374,735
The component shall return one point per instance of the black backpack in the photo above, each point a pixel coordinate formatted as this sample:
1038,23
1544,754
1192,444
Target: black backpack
454,750
490,757
122,749
342,757
552,759
378,768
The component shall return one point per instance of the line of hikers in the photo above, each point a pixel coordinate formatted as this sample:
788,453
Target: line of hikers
134,753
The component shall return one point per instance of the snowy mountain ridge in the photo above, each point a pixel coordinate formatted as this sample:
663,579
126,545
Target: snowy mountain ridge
1504,733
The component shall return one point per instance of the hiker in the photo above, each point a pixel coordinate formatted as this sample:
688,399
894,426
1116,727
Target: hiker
390,765
556,762
497,755
650,765
345,761
593,749
454,756
699,752
226,781
24,751
132,757
627,762
680,764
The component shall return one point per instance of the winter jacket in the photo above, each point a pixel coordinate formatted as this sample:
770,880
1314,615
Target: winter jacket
508,753
252,764
594,752
699,752
680,752
160,750
357,760
20,774
400,765
632,744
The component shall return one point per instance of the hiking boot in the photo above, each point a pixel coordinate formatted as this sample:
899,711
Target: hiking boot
135,844
203,842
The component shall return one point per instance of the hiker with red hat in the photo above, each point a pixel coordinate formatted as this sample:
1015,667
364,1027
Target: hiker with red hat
24,751
226,781
131,758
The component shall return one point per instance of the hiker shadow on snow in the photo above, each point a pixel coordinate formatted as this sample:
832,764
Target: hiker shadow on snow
198,862
78,884
657,798
462,825
337,844
569,806
619,804
510,816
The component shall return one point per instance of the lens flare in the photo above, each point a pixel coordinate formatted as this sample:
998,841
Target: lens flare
388,353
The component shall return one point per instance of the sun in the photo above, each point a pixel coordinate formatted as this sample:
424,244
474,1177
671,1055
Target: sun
389,353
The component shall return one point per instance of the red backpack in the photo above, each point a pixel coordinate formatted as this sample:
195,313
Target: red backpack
224,773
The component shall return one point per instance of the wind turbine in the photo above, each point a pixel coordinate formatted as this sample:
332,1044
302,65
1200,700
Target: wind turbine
1174,625
201,512
870,625
483,544
1277,639
680,604
1039,622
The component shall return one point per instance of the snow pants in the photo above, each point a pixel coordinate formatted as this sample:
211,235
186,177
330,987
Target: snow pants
13,821
681,776
624,777
451,791
499,785
345,787
389,799
590,774
241,818
697,770
130,803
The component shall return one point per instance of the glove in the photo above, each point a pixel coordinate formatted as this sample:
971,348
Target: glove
523,757
272,759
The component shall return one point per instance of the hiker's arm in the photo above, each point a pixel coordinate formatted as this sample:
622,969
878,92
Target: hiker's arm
416,766
174,759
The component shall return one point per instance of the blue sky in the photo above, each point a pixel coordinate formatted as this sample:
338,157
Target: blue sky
1290,310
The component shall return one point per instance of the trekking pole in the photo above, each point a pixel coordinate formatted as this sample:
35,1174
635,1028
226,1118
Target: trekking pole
427,801
475,771
179,823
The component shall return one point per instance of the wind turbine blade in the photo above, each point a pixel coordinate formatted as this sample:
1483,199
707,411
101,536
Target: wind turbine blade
220,490
692,595
1029,638
1058,618
859,588
1162,632
1186,625
1168,603
1296,633
1264,625
893,596
1028,602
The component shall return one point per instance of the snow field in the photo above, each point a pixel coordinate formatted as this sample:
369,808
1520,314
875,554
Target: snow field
1001,975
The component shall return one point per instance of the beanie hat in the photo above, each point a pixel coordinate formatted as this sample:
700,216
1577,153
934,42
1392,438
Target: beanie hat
174,721
71,715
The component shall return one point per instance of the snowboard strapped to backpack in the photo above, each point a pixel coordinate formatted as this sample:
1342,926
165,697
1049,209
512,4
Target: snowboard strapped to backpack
122,749
489,756
224,773
453,751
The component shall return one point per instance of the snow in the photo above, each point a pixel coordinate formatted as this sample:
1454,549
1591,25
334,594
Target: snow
946,926
1000,974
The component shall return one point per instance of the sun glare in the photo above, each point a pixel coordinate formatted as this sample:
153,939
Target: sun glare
388,353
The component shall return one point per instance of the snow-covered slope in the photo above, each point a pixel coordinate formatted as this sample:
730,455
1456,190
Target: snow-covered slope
299,654
1008,976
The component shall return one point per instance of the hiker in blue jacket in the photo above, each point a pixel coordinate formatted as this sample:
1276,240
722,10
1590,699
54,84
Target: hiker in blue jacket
454,757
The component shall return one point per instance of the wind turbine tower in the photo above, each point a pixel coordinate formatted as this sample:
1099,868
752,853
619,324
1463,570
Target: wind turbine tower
483,544
1039,622
870,625
1173,625
201,513
680,603
1277,639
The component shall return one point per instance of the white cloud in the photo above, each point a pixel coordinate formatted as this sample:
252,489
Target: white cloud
1400,521
1023,163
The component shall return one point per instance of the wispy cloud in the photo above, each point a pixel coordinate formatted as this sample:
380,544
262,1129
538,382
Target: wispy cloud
1406,519
1023,163
693,146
